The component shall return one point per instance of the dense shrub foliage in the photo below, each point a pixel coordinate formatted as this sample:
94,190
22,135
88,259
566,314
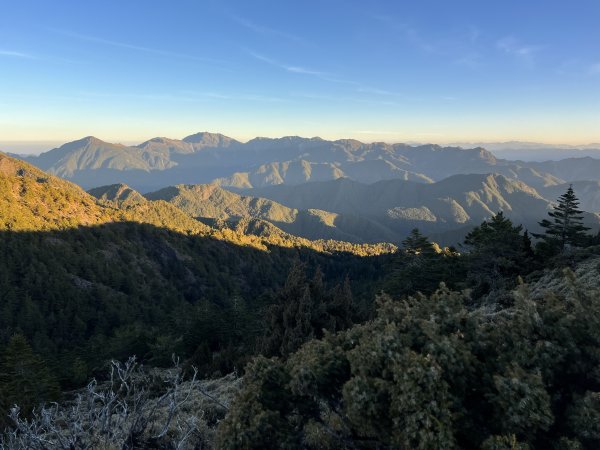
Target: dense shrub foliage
433,372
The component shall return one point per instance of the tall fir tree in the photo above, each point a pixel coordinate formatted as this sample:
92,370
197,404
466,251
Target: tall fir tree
566,228
498,253
420,267
417,244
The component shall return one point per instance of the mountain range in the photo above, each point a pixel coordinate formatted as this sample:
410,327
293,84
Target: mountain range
316,189
207,157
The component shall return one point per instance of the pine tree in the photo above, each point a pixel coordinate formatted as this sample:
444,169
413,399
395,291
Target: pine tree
417,244
498,253
419,268
566,228
527,247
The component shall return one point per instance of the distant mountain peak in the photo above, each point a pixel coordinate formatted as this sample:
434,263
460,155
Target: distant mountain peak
84,140
158,139
207,139
348,141
93,140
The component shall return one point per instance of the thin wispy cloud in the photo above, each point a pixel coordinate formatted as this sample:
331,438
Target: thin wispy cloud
137,48
510,45
135,96
322,75
45,58
14,54
304,70
266,31
289,68
345,99
326,76
377,91
233,97
181,96
42,97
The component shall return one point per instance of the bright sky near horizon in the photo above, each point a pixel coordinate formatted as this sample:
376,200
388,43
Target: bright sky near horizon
434,71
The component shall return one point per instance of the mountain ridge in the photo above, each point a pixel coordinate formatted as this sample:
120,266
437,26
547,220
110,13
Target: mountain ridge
205,157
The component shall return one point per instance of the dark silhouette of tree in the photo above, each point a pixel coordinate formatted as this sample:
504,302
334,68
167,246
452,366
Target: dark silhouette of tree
417,244
527,245
566,228
498,253
419,267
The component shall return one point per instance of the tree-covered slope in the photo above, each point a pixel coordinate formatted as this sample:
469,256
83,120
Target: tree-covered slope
33,200
213,202
396,206
85,279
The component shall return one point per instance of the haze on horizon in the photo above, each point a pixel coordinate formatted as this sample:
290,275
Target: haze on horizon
434,71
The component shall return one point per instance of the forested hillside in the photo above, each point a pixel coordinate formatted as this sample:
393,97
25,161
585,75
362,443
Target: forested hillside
86,280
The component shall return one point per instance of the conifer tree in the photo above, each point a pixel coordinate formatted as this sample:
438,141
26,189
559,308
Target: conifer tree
419,268
566,228
498,252
417,244
527,247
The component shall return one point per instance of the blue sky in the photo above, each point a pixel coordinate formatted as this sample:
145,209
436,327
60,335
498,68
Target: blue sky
397,71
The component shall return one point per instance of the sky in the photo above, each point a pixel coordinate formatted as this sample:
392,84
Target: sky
395,71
